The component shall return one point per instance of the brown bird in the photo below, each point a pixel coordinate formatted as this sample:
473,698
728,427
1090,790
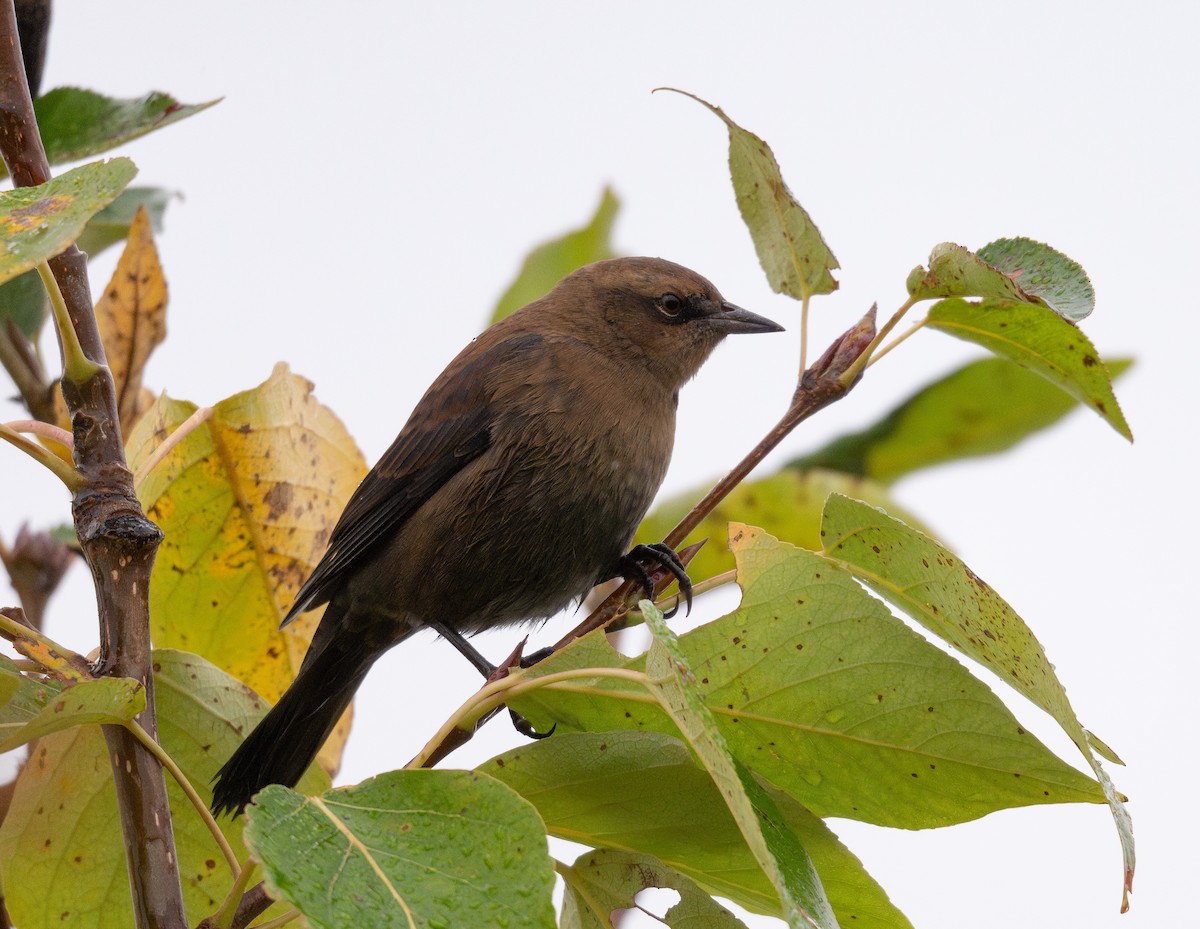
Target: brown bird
515,486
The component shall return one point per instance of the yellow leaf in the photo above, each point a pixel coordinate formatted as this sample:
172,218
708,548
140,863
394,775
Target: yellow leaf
247,501
132,315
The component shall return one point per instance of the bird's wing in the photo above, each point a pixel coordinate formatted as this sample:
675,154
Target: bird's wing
450,428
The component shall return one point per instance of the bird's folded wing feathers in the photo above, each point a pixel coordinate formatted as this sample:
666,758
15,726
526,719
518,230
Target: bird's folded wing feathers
427,453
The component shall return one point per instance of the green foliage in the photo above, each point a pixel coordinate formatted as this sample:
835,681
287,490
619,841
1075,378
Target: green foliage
23,300
984,407
61,842
429,848
1040,340
580,784
77,123
707,765
550,262
36,223
600,883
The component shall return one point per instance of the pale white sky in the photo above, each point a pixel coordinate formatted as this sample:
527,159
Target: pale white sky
377,171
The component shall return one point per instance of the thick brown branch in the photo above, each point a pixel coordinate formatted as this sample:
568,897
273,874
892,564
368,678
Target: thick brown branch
117,539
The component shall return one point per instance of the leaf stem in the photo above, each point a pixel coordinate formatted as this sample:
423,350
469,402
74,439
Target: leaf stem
806,296
77,366
223,917
73,480
45,430
190,791
182,431
914,328
855,370
278,921
496,693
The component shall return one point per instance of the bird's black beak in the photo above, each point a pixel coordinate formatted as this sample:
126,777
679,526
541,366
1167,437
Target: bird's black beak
733,319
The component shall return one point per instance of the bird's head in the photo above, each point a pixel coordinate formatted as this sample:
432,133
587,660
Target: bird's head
653,312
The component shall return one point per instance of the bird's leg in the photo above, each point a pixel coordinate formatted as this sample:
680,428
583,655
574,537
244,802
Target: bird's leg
633,565
465,648
489,671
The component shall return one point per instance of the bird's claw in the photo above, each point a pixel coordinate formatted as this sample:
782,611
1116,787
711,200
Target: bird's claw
667,558
525,727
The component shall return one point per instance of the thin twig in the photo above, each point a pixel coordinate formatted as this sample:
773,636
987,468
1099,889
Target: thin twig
45,430
495,694
168,444
46,458
192,794
911,330
19,358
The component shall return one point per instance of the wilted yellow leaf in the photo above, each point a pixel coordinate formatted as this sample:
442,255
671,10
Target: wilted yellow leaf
247,502
132,315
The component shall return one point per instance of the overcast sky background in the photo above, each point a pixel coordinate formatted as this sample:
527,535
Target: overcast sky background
376,173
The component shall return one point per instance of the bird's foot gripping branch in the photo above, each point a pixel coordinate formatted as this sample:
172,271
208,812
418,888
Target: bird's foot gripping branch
721,750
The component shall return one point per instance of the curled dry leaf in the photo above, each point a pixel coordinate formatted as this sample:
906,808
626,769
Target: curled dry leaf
132,315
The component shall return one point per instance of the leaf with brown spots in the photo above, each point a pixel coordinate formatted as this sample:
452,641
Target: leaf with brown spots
933,586
61,841
107,700
790,247
1036,338
816,687
247,501
132,315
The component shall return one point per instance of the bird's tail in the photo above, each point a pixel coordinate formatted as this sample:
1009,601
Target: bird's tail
286,741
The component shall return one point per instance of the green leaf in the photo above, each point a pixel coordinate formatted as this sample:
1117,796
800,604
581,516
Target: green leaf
935,588
788,504
77,123
600,883
775,847
1039,339
790,246
36,223
819,689
551,261
956,271
107,700
23,300
23,697
1046,273
61,841
408,848
580,784
984,407
111,224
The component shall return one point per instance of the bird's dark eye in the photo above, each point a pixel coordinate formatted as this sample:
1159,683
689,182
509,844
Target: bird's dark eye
670,305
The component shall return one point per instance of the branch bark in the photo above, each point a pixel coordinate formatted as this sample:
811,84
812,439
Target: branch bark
117,539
